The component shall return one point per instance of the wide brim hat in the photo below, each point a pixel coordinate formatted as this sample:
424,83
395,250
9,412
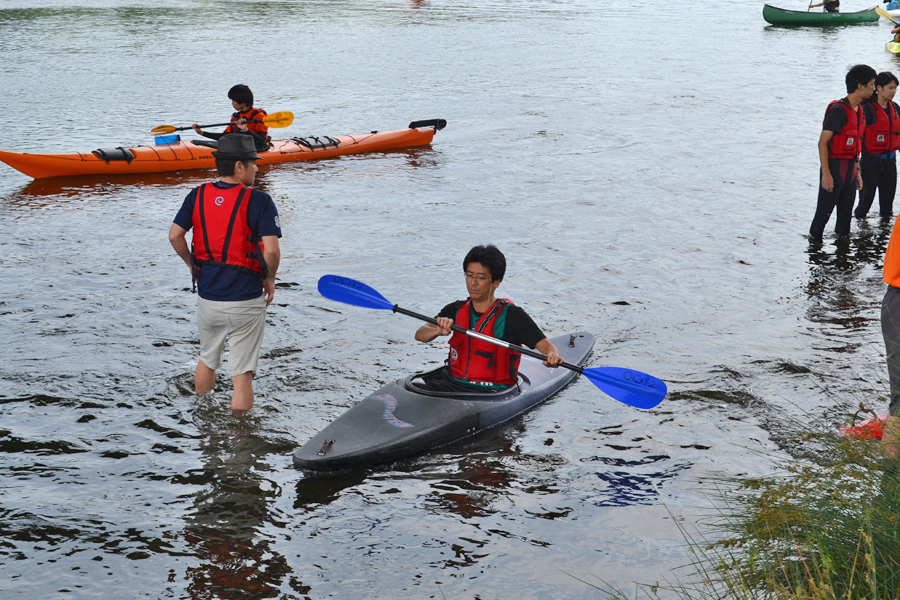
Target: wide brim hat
235,146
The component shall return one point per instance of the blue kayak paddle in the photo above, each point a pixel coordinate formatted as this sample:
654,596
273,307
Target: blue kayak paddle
625,385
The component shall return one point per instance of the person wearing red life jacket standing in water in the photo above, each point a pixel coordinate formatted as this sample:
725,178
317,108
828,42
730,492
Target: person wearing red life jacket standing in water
233,260
881,140
475,365
243,120
839,149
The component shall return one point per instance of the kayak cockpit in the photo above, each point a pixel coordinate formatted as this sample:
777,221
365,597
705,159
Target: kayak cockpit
414,383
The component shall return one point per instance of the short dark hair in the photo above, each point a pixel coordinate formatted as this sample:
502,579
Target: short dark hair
241,94
489,257
859,75
226,167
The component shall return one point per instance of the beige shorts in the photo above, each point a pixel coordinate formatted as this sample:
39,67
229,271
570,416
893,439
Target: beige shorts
240,323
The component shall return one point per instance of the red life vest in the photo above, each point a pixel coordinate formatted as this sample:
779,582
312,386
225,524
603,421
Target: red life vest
847,142
222,236
883,135
479,362
254,114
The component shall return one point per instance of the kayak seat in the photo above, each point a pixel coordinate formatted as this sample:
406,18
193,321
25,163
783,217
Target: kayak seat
119,153
415,384
316,143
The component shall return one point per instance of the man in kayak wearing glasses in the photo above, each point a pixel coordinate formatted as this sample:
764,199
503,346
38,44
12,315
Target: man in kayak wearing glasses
475,365
242,121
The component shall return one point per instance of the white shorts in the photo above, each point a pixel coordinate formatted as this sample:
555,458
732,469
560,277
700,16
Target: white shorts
241,323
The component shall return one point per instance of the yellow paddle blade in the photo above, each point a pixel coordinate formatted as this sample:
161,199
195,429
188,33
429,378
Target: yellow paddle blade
279,119
163,130
883,13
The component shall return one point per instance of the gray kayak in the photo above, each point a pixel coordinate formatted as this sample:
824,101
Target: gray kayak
401,420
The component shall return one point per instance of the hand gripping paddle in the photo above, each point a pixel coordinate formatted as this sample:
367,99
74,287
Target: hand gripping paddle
625,385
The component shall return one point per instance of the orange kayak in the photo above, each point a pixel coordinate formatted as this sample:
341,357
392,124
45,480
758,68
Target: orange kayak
188,155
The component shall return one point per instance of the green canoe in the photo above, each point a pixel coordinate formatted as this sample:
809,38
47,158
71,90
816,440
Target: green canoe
781,16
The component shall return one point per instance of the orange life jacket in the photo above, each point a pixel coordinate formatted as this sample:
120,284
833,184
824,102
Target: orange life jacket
222,236
479,362
883,136
254,114
847,142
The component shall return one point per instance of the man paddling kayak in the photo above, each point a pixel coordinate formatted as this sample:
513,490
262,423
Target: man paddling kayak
242,100
474,364
831,6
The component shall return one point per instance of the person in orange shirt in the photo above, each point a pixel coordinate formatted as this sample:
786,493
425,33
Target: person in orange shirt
242,121
890,329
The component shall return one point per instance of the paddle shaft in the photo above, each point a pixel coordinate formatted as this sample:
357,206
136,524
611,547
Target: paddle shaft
485,338
216,125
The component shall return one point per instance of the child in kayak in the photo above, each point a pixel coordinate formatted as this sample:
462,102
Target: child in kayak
242,121
881,141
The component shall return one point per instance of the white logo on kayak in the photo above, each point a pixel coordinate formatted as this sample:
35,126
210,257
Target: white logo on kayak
219,201
390,403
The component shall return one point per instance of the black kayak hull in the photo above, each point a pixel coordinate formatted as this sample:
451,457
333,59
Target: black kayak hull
399,420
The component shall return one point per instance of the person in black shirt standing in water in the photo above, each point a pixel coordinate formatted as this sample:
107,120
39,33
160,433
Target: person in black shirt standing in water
475,365
839,148
881,140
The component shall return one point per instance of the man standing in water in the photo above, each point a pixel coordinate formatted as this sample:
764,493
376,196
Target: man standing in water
839,148
233,260
475,365
890,330
878,164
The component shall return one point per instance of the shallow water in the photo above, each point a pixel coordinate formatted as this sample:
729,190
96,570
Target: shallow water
650,175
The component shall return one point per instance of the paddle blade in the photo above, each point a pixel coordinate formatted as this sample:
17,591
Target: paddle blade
628,386
885,14
350,291
163,130
279,119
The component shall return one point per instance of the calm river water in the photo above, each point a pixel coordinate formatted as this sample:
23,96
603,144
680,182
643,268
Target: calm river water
650,174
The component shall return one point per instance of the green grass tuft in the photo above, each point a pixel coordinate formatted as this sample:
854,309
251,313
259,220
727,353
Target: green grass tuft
825,530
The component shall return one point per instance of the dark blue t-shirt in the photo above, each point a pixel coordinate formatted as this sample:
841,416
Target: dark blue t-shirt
222,284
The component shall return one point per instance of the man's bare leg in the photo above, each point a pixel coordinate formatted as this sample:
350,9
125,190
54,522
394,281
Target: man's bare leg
204,378
242,397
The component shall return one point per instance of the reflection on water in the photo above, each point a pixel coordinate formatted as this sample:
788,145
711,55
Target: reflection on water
225,526
840,288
